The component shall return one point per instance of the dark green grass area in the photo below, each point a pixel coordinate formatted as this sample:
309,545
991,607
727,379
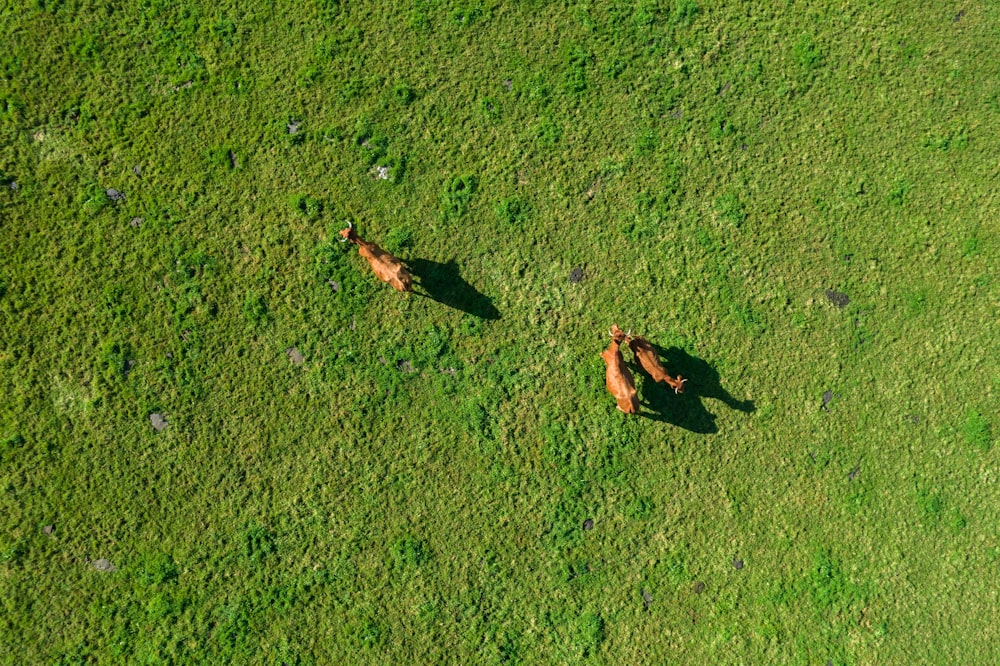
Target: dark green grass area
796,203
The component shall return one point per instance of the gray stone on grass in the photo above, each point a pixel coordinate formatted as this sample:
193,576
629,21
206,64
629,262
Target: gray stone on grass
838,298
293,126
135,222
737,563
103,564
827,397
158,421
576,275
115,195
405,366
588,524
49,530
698,587
647,598
295,356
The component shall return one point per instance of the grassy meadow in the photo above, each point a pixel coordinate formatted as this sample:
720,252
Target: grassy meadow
797,202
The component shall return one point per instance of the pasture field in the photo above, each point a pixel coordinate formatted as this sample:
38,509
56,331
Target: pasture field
797,202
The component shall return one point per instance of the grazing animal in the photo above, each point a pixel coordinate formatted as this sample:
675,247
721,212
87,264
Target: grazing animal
646,355
617,377
388,268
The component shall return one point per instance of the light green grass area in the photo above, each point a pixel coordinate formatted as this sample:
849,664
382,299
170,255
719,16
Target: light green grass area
796,202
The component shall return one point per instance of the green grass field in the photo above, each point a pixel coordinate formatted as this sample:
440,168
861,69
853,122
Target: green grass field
797,202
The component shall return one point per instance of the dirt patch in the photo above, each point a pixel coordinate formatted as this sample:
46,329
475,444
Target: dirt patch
576,275
838,298
158,421
295,356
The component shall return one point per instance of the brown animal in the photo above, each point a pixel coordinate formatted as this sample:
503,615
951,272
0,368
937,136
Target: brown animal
650,362
617,377
388,268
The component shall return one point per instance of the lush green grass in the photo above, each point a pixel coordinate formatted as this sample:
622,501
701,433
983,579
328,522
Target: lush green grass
714,169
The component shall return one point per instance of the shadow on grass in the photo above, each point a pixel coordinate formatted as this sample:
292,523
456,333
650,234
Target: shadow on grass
444,285
687,410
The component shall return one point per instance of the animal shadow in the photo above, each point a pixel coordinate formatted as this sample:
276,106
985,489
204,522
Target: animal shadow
443,284
687,410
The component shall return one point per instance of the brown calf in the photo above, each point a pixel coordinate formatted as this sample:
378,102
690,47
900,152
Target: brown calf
388,268
617,377
650,362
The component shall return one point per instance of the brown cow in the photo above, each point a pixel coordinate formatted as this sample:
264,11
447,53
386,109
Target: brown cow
617,377
388,268
650,362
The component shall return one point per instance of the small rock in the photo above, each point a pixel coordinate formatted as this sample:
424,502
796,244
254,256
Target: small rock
115,195
334,285
103,565
838,298
854,473
743,146
295,356
14,186
293,126
129,364
912,418
576,275
158,421
959,15
137,170
232,160
647,598
588,524
383,360
508,84
698,587
449,371
48,530
404,366
827,397
136,222
725,89
737,563
676,114
382,173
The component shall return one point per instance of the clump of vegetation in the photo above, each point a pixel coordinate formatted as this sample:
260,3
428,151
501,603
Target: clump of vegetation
306,205
977,431
457,195
513,212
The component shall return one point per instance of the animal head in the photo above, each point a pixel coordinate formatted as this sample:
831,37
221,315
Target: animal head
617,334
345,234
678,384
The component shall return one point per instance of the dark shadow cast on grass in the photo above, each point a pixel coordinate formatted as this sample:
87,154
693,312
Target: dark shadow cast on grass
442,283
687,410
